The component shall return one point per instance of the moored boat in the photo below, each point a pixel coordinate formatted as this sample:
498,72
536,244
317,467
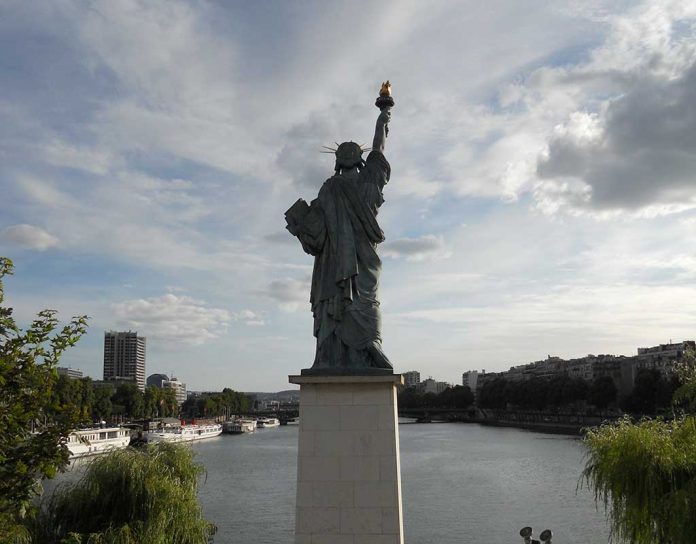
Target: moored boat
240,426
266,422
83,442
185,433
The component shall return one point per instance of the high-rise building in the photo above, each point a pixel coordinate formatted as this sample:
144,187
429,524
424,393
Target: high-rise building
124,357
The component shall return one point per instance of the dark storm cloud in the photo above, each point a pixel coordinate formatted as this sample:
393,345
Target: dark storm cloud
644,149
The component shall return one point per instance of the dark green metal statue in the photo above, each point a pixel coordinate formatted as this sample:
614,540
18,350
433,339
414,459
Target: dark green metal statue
339,228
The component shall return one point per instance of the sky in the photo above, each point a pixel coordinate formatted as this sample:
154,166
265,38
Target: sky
542,198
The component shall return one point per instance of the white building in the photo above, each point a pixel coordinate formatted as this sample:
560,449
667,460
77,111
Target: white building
178,387
470,379
411,378
72,373
431,386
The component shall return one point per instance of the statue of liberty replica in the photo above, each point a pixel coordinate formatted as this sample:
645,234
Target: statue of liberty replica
340,229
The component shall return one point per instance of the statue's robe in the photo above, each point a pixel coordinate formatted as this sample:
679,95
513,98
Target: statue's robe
340,229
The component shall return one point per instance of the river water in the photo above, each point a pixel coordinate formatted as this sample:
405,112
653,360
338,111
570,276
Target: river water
462,484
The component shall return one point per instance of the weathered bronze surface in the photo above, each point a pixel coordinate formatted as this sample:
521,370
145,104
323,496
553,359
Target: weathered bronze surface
340,229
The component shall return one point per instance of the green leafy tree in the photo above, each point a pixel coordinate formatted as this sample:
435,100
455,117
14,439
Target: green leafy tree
169,406
129,496
603,392
102,407
33,427
493,394
459,396
685,395
409,398
128,401
645,474
651,393
151,401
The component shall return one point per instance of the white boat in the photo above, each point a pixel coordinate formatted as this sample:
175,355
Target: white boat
185,433
85,442
240,426
266,422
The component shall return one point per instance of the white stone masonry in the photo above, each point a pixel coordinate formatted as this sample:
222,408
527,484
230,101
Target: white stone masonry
348,473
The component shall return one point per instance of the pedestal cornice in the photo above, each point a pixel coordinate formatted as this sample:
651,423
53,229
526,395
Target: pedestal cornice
396,379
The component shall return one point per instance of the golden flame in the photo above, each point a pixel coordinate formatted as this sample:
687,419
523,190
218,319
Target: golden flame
386,89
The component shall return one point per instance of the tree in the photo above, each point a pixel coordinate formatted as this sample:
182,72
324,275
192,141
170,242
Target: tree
493,394
603,392
33,427
459,396
409,398
651,391
128,401
645,473
684,398
102,407
129,497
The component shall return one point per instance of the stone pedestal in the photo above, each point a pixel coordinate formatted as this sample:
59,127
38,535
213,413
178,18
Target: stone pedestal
348,469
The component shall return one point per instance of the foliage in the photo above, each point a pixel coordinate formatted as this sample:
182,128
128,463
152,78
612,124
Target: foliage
76,398
645,474
102,408
651,393
33,426
128,401
493,394
129,497
534,393
225,403
459,397
160,402
685,396
603,392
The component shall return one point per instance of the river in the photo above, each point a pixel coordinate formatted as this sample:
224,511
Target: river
462,484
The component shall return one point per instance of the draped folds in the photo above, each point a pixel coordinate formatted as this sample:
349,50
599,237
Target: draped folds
340,229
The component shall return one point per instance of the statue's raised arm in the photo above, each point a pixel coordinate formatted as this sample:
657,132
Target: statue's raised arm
385,103
340,230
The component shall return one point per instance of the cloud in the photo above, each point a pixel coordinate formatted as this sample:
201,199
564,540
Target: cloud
415,249
178,319
290,293
632,146
639,152
250,318
29,236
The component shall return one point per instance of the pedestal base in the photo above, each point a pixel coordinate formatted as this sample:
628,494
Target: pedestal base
348,469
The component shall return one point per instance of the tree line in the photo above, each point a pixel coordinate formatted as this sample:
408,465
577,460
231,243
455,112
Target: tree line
87,402
651,393
459,396
225,403
84,401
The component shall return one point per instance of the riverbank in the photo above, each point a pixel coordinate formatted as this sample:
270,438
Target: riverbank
540,427
545,422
